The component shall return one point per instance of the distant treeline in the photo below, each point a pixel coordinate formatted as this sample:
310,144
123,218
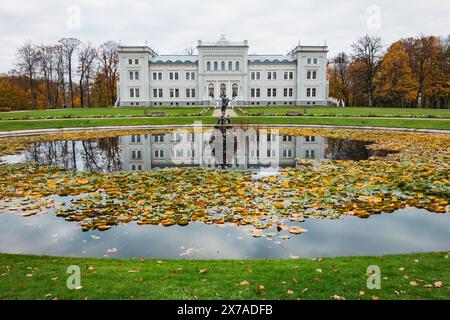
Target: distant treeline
413,72
65,74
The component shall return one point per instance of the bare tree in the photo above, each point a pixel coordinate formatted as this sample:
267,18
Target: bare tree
69,46
369,51
47,61
109,69
28,64
86,59
341,65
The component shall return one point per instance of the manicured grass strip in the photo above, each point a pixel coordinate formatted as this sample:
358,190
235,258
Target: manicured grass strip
101,112
348,111
386,122
68,123
413,276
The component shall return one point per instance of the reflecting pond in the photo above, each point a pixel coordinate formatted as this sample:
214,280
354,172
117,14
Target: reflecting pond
403,231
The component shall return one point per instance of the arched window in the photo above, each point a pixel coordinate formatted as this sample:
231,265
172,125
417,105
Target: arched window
208,66
230,66
314,75
211,90
222,66
308,75
223,89
237,65
216,66
234,89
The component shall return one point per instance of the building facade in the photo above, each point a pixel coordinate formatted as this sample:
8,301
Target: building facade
222,67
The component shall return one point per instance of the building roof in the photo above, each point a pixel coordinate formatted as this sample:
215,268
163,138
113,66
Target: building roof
270,58
254,58
174,59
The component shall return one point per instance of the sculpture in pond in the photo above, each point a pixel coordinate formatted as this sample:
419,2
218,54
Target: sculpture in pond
225,102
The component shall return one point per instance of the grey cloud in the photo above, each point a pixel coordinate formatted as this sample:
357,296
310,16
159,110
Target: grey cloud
172,25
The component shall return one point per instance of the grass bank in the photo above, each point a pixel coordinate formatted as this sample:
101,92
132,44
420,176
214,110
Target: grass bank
102,112
411,276
347,111
10,125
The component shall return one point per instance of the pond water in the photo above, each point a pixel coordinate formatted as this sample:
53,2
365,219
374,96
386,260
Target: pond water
404,231
230,148
407,230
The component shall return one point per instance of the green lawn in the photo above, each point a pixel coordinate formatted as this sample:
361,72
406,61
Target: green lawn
100,112
61,118
9,125
349,111
413,276
441,124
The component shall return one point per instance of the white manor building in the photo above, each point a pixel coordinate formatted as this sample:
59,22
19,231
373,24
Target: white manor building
222,67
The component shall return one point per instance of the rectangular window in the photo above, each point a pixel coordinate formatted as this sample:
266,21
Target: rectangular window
252,92
170,75
136,75
285,92
159,153
188,76
269,92
176,75
192,75
155,93
188,93
315,60
136,154
313,92
172,93
274,92
308,92
192,93
159,138
253,75
308,61
177,93
291,75
131,93
130,61
154,75
269,75
274,75
258,92
159,75
258,75
136,93
285,75
160,91
136,61
131,75
136,138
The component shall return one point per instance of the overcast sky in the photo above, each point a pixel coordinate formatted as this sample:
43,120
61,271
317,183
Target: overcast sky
169,26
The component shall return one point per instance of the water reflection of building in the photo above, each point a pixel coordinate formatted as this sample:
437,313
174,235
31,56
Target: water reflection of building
246,149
